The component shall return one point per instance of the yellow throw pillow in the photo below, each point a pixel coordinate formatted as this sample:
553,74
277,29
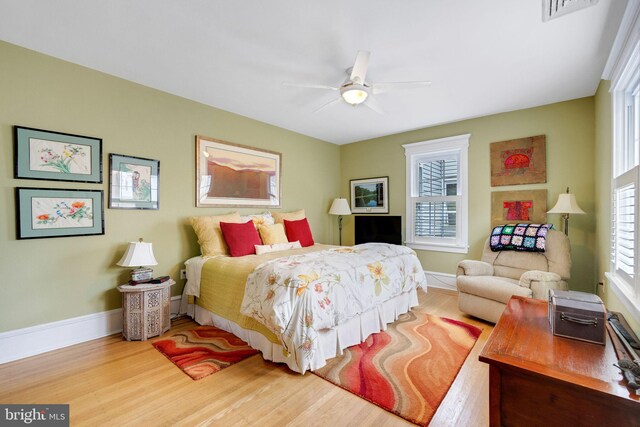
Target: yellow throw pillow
272,234
279,217
209,234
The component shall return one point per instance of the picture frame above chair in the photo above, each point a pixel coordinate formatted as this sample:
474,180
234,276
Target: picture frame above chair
519,161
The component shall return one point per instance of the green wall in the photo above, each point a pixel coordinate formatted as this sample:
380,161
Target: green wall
52,279
604,134
569,129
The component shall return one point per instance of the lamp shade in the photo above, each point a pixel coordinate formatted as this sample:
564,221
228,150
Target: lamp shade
138,254
340,207
566,204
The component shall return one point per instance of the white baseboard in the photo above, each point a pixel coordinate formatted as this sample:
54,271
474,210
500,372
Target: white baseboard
25,342
441,280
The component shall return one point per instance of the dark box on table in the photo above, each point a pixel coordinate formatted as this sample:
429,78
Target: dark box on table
577,315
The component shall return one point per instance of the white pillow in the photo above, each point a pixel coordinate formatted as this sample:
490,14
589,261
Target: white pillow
259,220
277,247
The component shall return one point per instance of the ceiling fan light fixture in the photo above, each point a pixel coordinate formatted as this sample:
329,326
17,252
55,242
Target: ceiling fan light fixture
354,94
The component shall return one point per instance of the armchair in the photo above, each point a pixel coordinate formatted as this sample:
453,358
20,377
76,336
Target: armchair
484,287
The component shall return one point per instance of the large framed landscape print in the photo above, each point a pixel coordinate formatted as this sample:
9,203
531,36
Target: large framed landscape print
370,195
56,156
49,212
236,175
134,182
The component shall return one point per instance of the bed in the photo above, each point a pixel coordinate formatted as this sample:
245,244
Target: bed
304,306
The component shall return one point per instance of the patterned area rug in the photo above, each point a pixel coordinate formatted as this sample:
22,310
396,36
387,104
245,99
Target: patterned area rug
204,350
408,368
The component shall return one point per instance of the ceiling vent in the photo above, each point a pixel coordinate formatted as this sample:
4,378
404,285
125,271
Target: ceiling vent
552,9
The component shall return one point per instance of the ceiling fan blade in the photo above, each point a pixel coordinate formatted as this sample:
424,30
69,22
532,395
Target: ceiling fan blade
386,87
373,104
327,105
359,70
309,85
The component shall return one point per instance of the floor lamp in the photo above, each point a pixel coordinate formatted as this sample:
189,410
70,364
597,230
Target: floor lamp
566,205
340,207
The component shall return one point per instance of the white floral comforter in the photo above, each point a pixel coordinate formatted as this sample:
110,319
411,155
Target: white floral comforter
297,296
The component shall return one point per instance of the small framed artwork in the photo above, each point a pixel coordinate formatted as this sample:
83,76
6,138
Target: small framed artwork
519,161
134,182
370,195
236,175
56,156
526,206
49,212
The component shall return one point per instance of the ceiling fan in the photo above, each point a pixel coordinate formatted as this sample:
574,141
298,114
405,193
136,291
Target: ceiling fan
355,90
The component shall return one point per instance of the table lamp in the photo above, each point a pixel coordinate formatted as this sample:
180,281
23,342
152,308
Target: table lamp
340,207
139,254
566,205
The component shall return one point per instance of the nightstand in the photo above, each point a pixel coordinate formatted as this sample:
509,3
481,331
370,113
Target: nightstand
146,309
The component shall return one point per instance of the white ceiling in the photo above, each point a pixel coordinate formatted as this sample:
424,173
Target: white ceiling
483,56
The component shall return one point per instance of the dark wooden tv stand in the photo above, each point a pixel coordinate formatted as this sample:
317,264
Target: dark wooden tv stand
537,379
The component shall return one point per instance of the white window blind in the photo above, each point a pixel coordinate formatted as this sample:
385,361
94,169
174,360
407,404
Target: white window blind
624,230
436,204
436,194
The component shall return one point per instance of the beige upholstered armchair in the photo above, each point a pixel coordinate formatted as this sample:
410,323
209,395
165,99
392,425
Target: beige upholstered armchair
485,286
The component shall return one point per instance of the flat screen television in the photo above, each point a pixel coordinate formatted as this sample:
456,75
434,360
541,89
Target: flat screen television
378,228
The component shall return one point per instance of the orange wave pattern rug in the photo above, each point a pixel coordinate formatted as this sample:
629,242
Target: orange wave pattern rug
204,350
408,368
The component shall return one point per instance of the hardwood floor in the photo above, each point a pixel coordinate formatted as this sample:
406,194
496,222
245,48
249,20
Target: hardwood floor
109,381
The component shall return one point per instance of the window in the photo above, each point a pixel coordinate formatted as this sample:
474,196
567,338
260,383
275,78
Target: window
625,183
437,194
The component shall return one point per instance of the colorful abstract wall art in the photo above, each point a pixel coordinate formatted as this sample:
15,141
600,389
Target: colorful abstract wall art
519,161
526,206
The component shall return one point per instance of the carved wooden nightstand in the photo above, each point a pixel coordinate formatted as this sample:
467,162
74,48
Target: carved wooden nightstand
146,309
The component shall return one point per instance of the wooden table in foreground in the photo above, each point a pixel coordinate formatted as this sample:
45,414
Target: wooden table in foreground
536,378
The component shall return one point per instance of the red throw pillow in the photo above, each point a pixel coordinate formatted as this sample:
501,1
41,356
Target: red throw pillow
241,238
299,230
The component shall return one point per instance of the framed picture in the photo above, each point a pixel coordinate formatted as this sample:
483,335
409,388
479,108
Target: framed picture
134,182
50,212
519,161
526,206
370,195
235,175
55,156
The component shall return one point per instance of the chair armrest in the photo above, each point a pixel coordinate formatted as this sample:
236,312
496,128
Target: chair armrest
470,267
541,281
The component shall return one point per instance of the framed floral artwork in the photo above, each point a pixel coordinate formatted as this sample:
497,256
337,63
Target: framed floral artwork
370,195
236,175
519,161
513,207
56,156
134,182
50,212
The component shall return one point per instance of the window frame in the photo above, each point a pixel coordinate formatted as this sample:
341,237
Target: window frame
622,69
459,146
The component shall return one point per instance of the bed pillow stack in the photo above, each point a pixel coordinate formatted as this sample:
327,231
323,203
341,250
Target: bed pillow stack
235,235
